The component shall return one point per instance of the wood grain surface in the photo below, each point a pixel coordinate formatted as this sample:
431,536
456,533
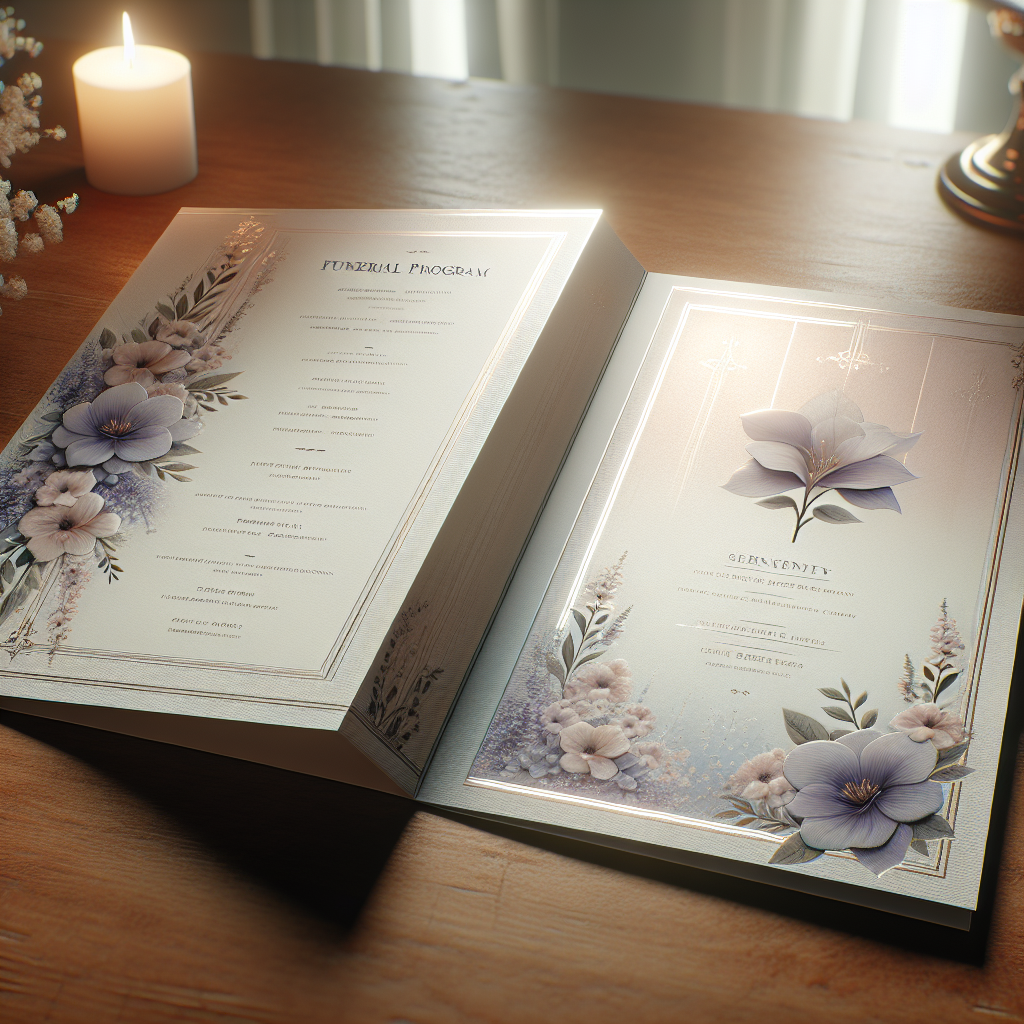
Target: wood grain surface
146,883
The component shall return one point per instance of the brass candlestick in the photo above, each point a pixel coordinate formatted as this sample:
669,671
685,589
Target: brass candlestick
985,182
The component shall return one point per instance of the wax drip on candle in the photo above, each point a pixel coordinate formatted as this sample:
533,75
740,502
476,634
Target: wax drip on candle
129,41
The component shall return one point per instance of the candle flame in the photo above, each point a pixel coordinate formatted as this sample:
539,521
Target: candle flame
129,40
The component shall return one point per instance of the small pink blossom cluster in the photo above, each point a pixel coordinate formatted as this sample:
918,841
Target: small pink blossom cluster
945,636
598,730
72,583
187,340
761,778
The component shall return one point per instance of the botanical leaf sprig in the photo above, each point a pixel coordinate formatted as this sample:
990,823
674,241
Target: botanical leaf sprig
597,629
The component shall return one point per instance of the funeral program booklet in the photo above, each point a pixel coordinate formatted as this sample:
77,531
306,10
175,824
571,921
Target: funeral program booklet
782,628
765,623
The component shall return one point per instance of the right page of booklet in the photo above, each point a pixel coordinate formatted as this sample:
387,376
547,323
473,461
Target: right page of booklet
782,626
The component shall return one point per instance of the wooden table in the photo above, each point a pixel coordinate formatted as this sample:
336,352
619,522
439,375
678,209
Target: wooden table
148,883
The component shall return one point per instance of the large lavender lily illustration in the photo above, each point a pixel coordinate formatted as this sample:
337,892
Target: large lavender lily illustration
826,446
873,793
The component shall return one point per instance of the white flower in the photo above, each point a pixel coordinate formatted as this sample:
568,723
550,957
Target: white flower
752,778
557,716
929,722
65,487
637,721
591,750
612,681
58,529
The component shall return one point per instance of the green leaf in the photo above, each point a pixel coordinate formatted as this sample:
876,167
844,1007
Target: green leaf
568,651
590,657
165,311
205,383
835,515
580,621
919,846
184,449
802,728
176,467
24,558
935,827
138,336
744,821
210,276
107,338
840,715
836,733
556,668
946,682
830,691
860,700
727,814
7,571
795,851
777,501
951,773
56,416
929,673
952,754
31,580
869,718
846,689
198,293
181,307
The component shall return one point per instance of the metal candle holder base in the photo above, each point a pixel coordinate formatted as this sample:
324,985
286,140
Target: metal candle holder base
985,182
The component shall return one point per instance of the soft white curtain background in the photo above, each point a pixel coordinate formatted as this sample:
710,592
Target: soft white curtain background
925,64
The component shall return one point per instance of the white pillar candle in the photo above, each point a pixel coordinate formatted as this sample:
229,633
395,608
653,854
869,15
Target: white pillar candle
136,117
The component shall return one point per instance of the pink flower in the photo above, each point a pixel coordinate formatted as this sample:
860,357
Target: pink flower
652,754
65,487
152,356
174,389
178,333
929,722
209,357
753,778
591,750
593,682
638,721
59,529
558,716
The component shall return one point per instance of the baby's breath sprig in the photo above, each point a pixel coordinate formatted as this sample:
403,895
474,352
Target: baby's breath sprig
19,132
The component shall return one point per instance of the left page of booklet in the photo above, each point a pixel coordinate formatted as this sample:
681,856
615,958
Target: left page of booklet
210,508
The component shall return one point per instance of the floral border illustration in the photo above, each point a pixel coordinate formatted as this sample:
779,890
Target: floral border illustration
826,446
872,793
95,466
570,724
574,725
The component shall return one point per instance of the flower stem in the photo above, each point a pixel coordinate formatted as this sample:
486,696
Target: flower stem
808,502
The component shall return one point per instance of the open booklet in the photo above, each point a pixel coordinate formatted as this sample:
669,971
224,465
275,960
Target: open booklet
422,461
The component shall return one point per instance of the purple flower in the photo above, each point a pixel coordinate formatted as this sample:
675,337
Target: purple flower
859,792
122,425
826,444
